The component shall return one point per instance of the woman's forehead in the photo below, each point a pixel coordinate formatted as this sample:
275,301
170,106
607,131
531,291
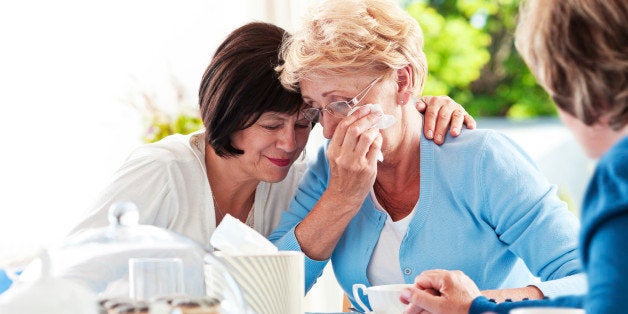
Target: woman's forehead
333,84
277,115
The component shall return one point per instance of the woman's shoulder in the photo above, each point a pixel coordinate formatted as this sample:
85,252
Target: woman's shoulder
173,154
606,196
480,150
612,169
478,136
616,157
608,186
176,147
476,142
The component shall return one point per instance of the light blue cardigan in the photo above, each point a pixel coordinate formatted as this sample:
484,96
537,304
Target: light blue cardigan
484,208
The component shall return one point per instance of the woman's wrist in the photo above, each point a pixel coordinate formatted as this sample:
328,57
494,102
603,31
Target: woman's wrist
515,294
336,201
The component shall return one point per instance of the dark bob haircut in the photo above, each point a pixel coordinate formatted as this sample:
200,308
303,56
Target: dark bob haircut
240,84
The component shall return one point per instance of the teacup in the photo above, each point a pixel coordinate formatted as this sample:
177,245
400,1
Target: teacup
383,299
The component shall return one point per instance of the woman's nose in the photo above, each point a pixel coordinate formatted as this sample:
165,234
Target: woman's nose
329,123
287,140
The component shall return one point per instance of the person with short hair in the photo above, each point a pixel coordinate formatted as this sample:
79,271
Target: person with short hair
478,203
578,51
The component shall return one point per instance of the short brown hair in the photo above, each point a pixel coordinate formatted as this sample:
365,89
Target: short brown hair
578,51
240,84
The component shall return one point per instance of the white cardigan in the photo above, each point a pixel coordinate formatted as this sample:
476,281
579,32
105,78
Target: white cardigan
167,181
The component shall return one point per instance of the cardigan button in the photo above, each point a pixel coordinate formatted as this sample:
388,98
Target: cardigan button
407,270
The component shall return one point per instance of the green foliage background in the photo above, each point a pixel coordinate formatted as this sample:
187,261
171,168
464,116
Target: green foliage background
158,122
471,57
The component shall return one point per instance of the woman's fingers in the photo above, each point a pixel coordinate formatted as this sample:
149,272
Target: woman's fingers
419,301
355,134
457,119
445,118
431,114
469,121
364,142
443,114
352,154
442,291
340,132
375,149
421,104
360,135
438,116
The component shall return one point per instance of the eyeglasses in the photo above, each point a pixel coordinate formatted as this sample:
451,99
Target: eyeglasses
338,109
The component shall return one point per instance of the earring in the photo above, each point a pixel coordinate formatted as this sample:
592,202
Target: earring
404,99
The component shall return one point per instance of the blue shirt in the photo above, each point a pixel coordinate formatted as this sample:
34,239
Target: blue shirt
603,241
484,208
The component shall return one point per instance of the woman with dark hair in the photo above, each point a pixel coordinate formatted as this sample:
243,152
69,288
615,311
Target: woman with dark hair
248,160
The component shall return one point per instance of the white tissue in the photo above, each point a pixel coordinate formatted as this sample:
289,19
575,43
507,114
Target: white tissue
236,238
385,122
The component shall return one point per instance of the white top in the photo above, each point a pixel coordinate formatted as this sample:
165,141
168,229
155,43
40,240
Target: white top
384,267
167,181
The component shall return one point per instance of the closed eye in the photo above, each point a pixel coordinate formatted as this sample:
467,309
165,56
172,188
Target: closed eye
303,125
271,127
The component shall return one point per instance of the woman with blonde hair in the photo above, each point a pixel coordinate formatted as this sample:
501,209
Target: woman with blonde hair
578,50
478,203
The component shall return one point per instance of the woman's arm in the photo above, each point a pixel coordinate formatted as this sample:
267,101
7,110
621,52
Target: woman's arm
514,294
527,215
308,193
352,157
453,292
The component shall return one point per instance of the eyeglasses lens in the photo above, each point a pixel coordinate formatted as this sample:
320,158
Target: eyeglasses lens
312,114
339,109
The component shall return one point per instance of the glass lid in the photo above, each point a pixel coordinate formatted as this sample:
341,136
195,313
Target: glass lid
131,266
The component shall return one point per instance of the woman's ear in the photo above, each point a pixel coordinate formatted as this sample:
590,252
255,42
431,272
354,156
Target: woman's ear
404,83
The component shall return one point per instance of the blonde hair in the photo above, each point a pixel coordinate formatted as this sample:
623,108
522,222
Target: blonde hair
349,36
578,51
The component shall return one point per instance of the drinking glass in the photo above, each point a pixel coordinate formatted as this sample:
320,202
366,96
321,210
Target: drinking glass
155,277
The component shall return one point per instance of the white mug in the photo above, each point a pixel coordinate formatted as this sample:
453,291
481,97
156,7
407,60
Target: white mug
270,283
383,299
546,310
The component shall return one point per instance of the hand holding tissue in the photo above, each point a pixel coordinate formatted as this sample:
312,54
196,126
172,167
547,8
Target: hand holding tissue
385,122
